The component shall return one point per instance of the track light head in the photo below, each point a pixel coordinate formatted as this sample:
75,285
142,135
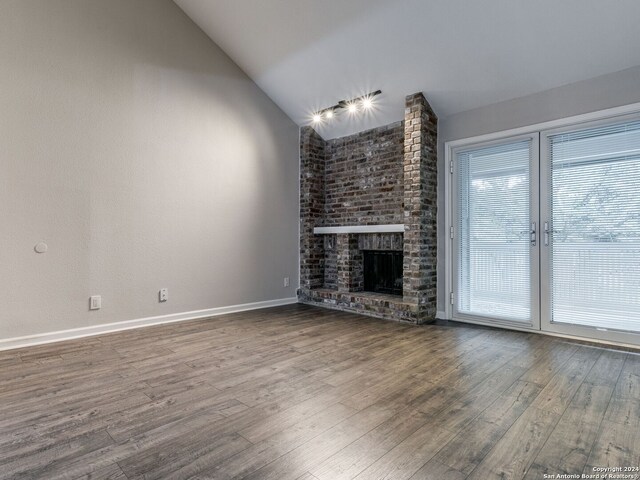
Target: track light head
362,103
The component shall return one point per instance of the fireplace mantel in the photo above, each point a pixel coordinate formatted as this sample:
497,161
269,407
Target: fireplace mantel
389,228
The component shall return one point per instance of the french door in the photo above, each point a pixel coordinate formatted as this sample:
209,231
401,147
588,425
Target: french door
495,235
546,231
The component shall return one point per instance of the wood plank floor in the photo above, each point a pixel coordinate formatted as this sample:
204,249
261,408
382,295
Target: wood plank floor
303,393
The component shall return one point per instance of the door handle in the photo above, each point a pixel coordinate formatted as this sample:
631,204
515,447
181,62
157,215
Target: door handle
533,234
546,233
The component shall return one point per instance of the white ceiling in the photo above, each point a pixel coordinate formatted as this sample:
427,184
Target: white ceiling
463,54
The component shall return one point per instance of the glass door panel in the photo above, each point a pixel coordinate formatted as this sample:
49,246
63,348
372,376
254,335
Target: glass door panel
496,232
591,207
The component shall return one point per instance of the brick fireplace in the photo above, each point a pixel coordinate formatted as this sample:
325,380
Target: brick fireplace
374,191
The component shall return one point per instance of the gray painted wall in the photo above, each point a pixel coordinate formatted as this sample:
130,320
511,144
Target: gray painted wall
145,158
607,91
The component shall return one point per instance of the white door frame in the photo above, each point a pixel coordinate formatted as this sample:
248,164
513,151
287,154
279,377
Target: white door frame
534,261
545,255
449,147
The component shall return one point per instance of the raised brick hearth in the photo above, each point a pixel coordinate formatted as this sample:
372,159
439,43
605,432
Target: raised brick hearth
383,176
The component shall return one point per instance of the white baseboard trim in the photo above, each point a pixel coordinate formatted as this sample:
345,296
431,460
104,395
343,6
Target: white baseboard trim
441,315
61,335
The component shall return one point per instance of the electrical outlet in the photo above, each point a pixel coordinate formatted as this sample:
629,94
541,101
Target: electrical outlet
163,294
95,302
286,281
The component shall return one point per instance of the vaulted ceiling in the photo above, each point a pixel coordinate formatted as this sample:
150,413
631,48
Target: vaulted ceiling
463,54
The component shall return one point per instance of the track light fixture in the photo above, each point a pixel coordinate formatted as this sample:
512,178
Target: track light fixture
353,106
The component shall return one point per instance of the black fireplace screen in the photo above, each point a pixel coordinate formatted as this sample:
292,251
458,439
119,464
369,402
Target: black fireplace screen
383,272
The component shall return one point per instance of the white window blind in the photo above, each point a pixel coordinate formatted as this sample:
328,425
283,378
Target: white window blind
493,231
595,204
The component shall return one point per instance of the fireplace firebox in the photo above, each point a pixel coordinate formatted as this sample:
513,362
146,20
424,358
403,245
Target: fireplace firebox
383,271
